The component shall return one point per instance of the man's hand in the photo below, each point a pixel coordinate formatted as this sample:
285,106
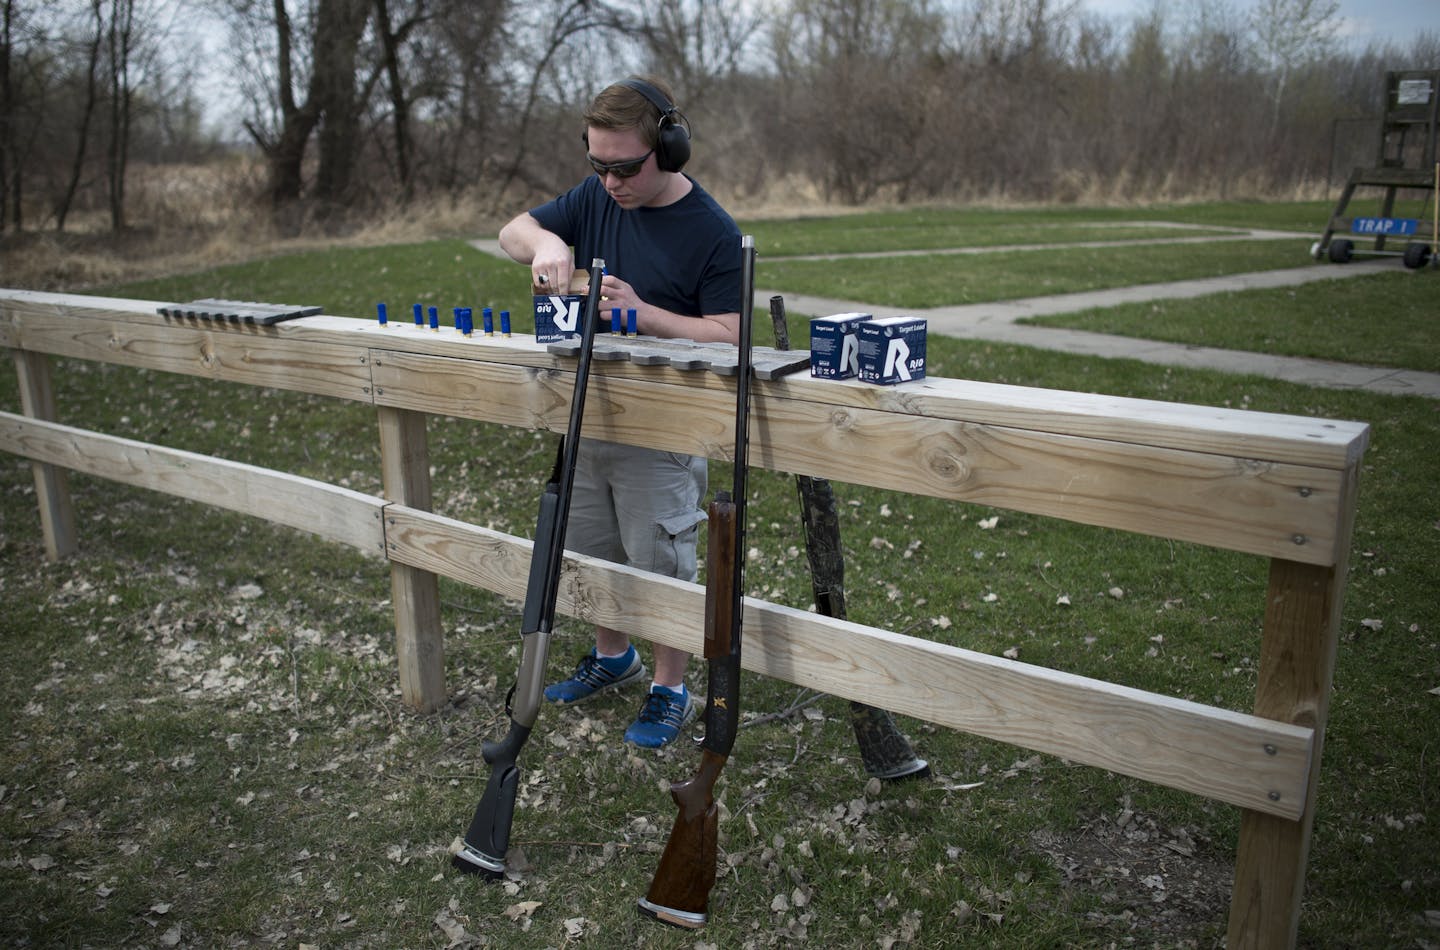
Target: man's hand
551,263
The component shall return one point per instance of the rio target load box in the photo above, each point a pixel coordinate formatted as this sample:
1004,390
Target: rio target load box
833,347
891,349
557,316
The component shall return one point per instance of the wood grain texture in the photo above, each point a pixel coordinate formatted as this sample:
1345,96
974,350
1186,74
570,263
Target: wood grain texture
1297,666
337,514
241,353
1273,509
414,592
52,483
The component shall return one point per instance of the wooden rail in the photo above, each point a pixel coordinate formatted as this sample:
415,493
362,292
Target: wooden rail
1282,487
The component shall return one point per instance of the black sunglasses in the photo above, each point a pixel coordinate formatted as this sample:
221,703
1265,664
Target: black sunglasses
626,169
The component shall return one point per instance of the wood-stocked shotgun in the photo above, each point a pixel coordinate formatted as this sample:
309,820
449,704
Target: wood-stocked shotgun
680,892
883,747
489,836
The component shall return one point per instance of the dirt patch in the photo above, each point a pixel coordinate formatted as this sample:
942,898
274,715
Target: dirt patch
1169,886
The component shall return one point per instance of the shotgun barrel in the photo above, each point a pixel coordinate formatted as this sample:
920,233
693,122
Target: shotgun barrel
680,891
883,747
488,837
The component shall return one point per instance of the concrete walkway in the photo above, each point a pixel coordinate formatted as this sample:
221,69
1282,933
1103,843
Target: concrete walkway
998,322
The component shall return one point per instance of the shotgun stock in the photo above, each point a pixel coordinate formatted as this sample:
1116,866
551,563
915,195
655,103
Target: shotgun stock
680,891
488,837
883,747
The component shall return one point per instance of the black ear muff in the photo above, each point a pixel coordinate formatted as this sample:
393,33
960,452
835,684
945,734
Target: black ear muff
673,149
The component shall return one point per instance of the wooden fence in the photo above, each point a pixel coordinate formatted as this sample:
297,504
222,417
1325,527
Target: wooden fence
1278,486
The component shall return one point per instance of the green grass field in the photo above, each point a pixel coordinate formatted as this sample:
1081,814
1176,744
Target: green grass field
204,743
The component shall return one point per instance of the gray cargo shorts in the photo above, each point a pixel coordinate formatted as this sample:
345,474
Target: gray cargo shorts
639,507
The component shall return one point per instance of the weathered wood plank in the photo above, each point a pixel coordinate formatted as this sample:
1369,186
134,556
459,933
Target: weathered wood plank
242,353
1173,742
1267,508
335,514
52,485
414,593
1297,665
1237,433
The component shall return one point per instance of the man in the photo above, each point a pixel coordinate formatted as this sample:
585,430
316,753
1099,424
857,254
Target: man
673,255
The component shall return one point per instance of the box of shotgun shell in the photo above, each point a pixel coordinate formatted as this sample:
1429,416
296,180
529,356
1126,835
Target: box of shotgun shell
891,349
833,345
557,316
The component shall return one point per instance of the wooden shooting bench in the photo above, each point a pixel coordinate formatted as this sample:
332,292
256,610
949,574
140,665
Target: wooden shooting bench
1281,487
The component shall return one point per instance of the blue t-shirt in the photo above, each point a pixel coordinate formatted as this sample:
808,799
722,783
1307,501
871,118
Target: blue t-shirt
683,257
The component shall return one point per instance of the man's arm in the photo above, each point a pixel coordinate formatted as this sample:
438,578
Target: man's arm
545,251
656,321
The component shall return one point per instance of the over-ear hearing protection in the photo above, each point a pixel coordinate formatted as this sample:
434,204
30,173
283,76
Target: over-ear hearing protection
673,149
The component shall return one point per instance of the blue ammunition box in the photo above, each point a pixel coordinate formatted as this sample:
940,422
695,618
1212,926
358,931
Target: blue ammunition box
891,349
833,345
557,316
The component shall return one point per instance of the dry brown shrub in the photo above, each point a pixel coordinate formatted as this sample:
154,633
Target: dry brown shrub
186,218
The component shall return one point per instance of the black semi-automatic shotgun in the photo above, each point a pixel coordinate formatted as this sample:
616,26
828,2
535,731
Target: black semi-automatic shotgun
883,747
489,836
680,892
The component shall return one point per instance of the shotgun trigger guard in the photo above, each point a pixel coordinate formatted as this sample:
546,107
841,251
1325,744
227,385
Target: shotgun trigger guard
509,701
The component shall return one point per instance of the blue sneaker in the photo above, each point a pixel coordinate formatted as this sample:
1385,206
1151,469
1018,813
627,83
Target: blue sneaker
594,676
661,718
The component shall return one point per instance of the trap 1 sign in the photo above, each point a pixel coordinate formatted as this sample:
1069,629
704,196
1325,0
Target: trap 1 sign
1385,226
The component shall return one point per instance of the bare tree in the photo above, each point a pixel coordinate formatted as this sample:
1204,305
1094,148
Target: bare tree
87,112
566,24
119,39
1288,34
860,77
10,173
284,147
340,99
695,43
392,41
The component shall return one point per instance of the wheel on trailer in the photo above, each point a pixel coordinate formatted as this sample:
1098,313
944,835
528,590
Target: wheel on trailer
1341,251
1416,255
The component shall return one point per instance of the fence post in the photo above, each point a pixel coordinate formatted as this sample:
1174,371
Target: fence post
52,483
1297,663
419,643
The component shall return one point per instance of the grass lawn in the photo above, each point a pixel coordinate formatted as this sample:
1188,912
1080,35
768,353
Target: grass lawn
947,279
1389,319
205,744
